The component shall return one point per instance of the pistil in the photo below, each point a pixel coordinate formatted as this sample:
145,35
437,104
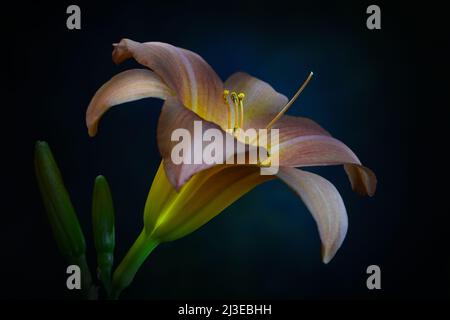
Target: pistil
289,104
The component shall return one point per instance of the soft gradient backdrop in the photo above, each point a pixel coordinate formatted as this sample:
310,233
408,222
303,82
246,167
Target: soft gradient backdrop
266,245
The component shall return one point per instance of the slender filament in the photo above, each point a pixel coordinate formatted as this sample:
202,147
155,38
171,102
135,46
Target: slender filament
235,99
241,97
225,98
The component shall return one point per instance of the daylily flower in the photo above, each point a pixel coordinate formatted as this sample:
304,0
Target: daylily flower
184,197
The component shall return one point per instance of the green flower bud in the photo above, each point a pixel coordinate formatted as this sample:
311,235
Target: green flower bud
103,224
61,213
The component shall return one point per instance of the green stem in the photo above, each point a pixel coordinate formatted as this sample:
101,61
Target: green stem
135,257
105,262
89,291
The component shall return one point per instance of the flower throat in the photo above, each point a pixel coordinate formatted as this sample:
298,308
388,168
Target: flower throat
235,105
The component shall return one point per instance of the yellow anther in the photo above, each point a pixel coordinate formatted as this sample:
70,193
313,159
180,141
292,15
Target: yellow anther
234,96
241,97
238,108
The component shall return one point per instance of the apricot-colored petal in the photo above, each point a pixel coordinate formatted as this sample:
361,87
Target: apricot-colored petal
174,116
292,126
325,204
314,150
302,143
196,84
127,86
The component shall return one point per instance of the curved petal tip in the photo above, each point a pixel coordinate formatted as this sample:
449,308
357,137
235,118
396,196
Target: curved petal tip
363,180
126,86
325,204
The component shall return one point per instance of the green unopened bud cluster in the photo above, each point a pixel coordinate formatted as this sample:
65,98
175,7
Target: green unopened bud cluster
65,225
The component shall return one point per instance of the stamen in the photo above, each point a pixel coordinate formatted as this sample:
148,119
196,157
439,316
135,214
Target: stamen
235,100
225,98
289,104
238,108
241,97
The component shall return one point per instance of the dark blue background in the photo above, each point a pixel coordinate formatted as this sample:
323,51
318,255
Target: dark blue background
366,92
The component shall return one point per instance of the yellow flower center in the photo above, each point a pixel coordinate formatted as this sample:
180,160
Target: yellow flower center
236,111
